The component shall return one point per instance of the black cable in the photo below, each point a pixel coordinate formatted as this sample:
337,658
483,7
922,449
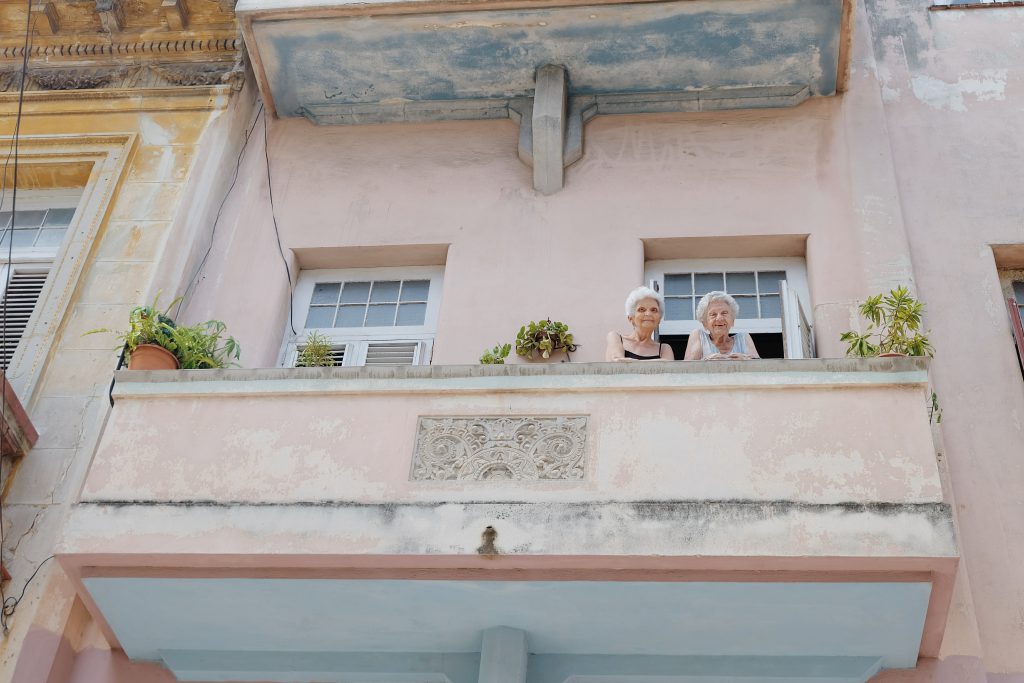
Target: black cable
277,233
29,24
11,603
216,221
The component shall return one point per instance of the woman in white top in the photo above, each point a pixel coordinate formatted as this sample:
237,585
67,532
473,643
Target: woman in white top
711,340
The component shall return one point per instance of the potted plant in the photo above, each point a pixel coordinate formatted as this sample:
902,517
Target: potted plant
148,342
496,356
203,346
153,341
317,352
544,337
894,329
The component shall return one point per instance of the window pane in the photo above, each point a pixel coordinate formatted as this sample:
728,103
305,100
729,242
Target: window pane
708,282
29,219
411,314
58,218
5,219
769,281
355,293
384,291
326,293
678,283
350,316
50,237
381,315
24,238
320,316
771,306
415,290
740,283
748,306
679,308
1018,292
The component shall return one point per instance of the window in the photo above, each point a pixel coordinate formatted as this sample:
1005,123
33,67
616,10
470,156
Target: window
32,237
373,316
1012,282
771,292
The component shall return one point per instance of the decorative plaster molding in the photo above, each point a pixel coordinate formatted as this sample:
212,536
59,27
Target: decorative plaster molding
149,76
492,448
125,49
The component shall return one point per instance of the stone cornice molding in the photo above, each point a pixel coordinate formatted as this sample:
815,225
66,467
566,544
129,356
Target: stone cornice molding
61,102
226,45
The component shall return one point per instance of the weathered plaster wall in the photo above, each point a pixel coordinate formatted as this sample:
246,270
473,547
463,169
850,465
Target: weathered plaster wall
648,437
169,135
952,84
516,255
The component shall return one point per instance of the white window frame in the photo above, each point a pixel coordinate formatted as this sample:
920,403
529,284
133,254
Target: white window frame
39,260
796,278
357,340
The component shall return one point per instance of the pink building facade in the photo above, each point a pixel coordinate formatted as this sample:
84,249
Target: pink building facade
418,180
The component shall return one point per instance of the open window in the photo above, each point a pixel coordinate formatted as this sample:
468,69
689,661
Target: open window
372,316
30,241
1015,307
772,295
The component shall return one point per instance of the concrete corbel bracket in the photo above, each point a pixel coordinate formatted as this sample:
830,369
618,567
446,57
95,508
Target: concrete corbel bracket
111,15
551,127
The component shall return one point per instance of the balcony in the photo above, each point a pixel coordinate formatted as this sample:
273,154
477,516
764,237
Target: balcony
776,515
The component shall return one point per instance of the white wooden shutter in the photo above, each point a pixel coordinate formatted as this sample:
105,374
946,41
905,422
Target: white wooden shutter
392,353
19,300
337,353
797,337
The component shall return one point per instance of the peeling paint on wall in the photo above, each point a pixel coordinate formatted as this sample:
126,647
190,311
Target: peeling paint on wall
989,84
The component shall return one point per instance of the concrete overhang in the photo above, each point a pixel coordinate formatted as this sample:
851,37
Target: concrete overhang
386,60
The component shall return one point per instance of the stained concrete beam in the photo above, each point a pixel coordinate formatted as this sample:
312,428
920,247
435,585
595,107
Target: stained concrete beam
549,125
503,656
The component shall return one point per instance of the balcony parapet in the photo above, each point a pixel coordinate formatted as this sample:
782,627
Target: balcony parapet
561,377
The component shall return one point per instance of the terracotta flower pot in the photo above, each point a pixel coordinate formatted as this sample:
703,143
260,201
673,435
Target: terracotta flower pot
152,357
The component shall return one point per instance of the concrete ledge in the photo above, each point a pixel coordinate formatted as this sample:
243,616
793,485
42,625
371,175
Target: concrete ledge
563,377
614,529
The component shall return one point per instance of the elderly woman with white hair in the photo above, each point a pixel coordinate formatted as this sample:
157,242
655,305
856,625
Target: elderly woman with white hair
644,309
712,340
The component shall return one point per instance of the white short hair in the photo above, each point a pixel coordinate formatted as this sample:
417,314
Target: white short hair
713,297
638,295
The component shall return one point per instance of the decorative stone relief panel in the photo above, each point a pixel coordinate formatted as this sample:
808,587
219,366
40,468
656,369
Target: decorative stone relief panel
496,448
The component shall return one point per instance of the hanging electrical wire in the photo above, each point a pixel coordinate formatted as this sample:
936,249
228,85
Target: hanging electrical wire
277,233
183,302
9,605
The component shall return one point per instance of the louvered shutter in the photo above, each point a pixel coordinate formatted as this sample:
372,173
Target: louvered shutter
392,353
19,300
337,353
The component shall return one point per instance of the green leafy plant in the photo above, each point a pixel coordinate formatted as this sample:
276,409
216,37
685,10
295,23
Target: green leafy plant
147,325
196,346
934,410
204,346
543,337
496,356
895,327
316,352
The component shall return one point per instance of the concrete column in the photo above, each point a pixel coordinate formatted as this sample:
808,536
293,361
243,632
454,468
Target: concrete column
549,114
503,655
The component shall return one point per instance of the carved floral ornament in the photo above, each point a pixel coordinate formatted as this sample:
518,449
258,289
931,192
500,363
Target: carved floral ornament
500,448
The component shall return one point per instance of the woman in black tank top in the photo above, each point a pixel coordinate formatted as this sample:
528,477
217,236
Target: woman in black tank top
643,310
